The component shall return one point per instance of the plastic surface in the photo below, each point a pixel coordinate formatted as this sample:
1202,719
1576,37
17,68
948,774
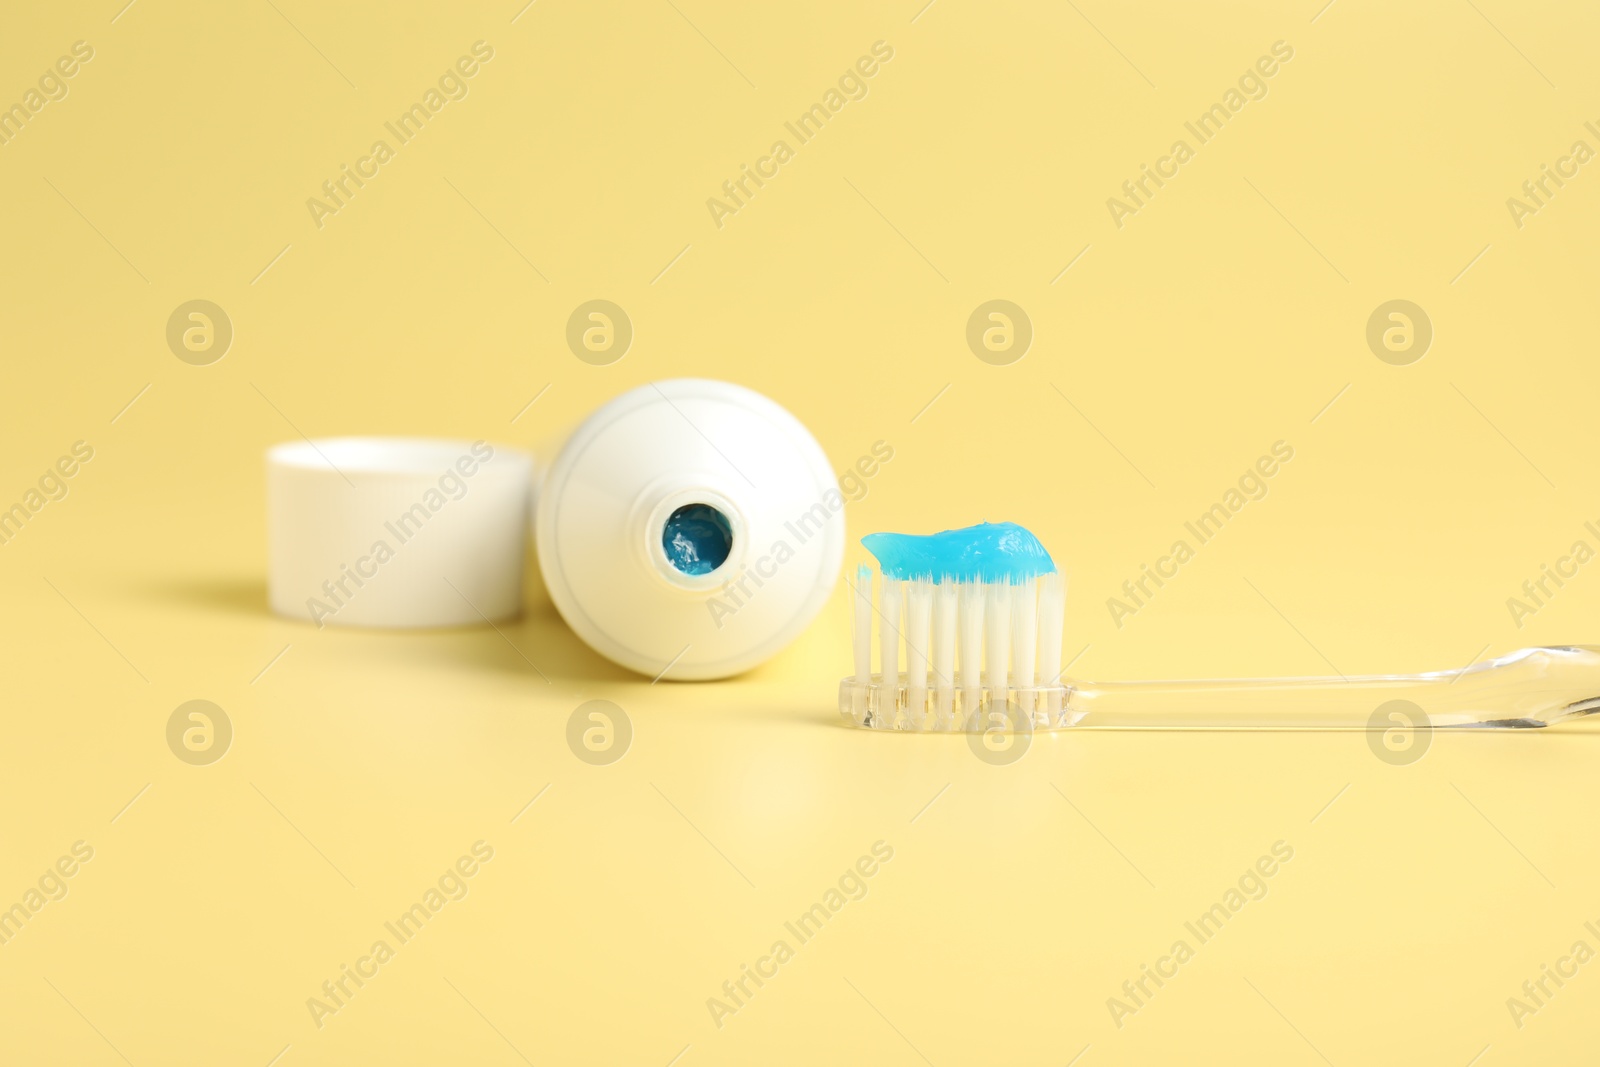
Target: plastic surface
396,532
606,504
1531,688
938,709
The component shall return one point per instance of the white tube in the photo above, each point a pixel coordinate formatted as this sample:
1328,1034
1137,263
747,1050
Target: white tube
605,524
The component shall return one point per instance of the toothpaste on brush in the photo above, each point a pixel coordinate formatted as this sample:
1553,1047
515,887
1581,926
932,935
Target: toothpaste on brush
978,613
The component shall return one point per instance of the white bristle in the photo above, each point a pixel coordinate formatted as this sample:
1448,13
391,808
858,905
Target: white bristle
970,623
889,635
944,652
863,627
1024,640
997,643
919,620
964,644
1052,610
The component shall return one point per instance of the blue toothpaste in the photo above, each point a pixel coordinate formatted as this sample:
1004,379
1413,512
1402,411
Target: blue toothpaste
697,539
989,552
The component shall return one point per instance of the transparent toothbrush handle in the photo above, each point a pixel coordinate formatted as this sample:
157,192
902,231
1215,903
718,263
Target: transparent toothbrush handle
1534,687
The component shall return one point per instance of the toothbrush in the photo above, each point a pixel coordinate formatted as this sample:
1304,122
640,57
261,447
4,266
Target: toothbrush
979,614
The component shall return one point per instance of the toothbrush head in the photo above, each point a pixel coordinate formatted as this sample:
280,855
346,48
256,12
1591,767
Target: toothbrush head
977,614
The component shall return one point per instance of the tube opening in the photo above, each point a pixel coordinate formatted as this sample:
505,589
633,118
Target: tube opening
697,539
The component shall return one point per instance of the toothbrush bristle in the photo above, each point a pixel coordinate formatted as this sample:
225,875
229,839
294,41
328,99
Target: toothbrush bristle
946,611
889,636
919,624
959,648
970,623
997,639
863,625
1024,640
1052,612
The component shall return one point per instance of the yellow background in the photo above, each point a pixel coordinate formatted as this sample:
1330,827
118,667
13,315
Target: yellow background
1223,317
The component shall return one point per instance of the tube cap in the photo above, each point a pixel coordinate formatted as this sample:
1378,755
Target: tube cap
396,531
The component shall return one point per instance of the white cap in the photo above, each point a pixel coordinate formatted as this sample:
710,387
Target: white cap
396,531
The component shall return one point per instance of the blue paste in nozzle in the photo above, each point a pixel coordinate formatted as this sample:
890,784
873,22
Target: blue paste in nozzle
697,539
989,551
